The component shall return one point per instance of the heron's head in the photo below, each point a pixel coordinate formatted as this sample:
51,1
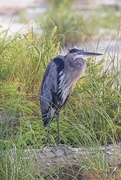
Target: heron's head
80,53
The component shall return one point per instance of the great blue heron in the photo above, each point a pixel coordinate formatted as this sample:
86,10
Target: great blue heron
61,75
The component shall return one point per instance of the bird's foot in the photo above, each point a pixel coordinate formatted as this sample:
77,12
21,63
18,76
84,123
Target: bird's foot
59,150
64,148
47,149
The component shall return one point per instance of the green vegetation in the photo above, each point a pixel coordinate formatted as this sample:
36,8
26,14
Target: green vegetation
75,25
91,117
94,106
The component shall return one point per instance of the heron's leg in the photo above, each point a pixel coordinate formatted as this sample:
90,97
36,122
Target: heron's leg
58,126
48,135
47,148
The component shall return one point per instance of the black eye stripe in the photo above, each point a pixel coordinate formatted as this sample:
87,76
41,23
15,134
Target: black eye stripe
73,50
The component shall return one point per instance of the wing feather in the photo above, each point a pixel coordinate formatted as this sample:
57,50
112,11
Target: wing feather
49,99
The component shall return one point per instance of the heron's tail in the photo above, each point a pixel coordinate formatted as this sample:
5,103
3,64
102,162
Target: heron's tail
46,121
48,116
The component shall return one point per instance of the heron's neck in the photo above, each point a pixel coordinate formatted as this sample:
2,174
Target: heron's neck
69,58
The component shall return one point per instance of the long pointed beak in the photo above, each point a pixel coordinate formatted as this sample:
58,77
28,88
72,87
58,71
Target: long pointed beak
91,54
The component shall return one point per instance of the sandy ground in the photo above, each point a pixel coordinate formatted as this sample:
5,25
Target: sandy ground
10,11
15,3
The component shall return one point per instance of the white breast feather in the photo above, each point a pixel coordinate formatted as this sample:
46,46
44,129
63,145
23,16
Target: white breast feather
63,89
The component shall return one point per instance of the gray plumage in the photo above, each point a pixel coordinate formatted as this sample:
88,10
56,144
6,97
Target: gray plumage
61,75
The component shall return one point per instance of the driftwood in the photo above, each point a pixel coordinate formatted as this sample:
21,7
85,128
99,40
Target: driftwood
69,162
64,154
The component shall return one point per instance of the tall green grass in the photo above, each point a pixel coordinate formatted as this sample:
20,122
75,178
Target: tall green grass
91,117
75,25
93,107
